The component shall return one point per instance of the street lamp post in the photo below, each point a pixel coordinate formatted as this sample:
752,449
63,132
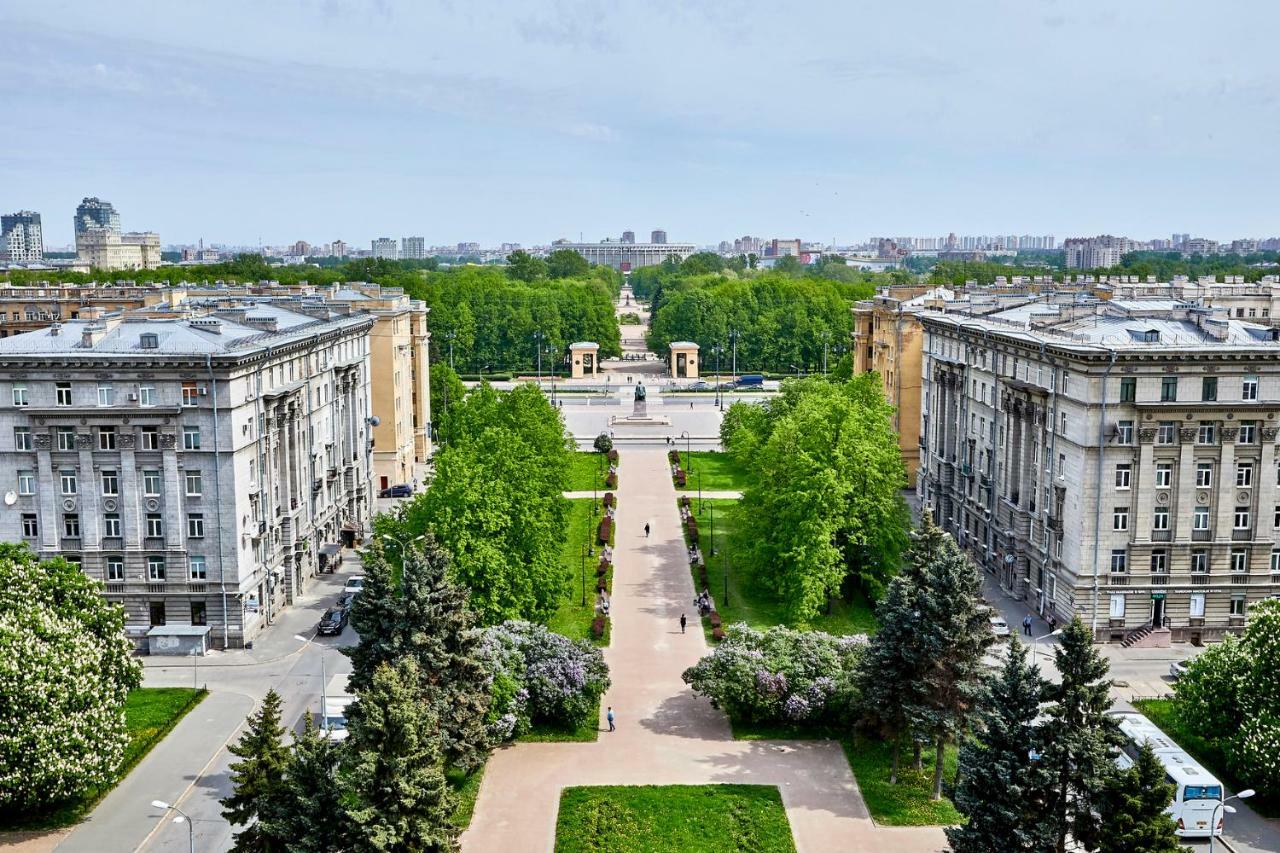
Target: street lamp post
733,339
719,379
1035,643
826,343
699,490
724,570
584,572
537,344
182,816
1213,823
688,462
712,508
324,682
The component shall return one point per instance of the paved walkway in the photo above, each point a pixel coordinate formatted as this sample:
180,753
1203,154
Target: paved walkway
666,734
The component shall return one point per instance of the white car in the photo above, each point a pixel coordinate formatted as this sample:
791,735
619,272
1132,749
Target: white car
999,627
355,584
1177,669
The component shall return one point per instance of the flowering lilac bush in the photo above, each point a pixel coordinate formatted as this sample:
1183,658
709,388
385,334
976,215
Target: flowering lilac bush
780,676
539,676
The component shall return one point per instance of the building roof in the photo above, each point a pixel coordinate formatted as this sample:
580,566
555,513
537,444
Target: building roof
584,345
683,345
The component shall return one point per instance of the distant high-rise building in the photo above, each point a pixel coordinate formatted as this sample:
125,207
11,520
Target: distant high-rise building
100,243
338,249
1086,253
21,238
470,248
96,213
630,237
780,248
658,236
301,248
385,247
413,248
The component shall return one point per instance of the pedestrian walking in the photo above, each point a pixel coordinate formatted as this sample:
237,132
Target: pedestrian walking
609,717
646,530
1026,624
682,623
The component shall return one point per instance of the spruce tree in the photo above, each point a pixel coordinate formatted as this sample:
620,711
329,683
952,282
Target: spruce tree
889,675
427,618
1132,807
258,778
392,776
311,816
1079,736
1003,784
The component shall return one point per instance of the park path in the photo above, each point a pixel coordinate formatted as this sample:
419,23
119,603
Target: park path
667,735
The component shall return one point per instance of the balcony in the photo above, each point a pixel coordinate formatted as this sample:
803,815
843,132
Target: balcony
1201,535
1241,535
1119,579
114,589
1240,579
155,587
1162,536
1159,580
153,543
112,543
1055,523
70,543
1200,579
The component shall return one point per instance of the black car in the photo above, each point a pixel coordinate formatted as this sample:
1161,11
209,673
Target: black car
344,601
333,621
402,490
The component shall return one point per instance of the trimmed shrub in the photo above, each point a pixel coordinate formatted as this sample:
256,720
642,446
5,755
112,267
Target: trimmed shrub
673,456
608,499
604,444
611,480
597,627
717,634
606,528
613,454
680,477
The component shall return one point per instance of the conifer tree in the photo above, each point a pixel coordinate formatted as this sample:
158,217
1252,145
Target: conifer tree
258,778
311,817
392,776
1132,807
1079,736
1004,784
889,676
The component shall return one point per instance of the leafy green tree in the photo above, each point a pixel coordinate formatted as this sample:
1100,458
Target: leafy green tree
447,392
788,265
523,266
66,669
392,777
603,443
1132,808
1209,697
1079,736
842,370
566,263
1003,785
311,815
258,778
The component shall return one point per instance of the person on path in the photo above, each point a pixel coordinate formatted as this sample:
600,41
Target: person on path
646,530
1026,624
682,623
609,717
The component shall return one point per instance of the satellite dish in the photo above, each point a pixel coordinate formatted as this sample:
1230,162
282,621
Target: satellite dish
10,498
375,421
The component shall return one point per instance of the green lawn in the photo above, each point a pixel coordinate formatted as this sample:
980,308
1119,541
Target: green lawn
752,602
150,713
661,818
588,731
465,791
585,470
573,619
1207,752
719,471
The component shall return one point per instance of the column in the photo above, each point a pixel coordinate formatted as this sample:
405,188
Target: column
1265,485
1142,484
174,532
47,488
87,500
130,517
1225,491
1180,513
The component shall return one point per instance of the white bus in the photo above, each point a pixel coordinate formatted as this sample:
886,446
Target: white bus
1197,792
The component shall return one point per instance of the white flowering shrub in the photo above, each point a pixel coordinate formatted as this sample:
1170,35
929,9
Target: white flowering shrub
65,671
1254,753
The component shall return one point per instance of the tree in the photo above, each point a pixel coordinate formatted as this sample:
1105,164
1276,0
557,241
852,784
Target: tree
603,443
1079,736
1132,808
1209,696
311,815
396,794
788,264
258,779
1003,784
427,619
66,669
566,263
447,392
889,678
523,266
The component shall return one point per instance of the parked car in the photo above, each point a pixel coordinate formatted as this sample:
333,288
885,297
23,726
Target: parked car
400,490
700,386
999,627
345,600
750,380
1177,669
355,584
333,621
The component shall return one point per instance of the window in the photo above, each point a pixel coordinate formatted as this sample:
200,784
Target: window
67,478
1128,390
1242,518
71,525
1159,563
20,395
146,395
1160,520
1164,474
110,483
1248,432
1124,432
1209,388
155,568
156,608
1197,605
155,524
115,568
1207,434
1239,561
26,482
1168,389
62,393
1062,424
1204,474
1117,607
198,616
1244,474
1119,562
107,438
1249,388
1199,562
1123,475
111,524
195,483
1275,560
199,570
1120,518
1167,432
1200,518
149,340
195,525
151,483
66,438
30,527
191,438
22,440
150,438
1062,466
189,394
106,395
1237,605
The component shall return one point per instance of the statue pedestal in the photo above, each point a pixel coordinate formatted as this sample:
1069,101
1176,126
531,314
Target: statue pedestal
640,410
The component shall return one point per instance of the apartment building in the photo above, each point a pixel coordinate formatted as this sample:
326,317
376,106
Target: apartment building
385,247
23,309
203,469
21,237
1114,459
1096,252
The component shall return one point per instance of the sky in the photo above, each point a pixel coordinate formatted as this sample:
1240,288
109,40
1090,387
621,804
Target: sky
505,120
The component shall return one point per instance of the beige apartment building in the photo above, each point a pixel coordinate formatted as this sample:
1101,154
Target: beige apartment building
107,249
25,309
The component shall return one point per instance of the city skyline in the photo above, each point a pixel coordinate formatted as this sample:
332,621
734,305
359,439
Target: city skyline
475,123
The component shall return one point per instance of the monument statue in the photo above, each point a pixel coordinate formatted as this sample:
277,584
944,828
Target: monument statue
640,408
